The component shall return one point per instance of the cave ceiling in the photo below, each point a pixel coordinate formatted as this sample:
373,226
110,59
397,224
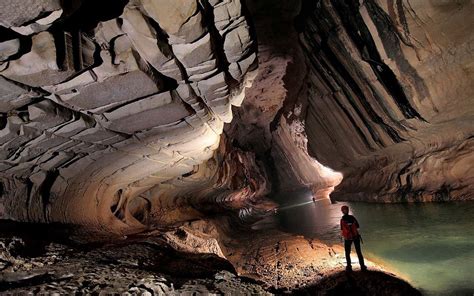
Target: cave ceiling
126,115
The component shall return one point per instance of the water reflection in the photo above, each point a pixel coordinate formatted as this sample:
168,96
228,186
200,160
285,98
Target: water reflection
431,244
312,219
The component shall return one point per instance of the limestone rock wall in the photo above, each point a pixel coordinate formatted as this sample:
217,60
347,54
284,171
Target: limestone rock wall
98,109
271,123
112,115
390,96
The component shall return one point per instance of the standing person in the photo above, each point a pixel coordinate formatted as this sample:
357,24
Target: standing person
349,226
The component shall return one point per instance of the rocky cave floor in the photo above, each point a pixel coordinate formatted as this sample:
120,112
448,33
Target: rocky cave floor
36,259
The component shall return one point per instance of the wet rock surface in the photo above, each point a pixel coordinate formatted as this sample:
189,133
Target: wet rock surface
147,265
359,283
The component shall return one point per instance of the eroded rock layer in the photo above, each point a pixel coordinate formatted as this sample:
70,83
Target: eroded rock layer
100,109
112,115
390,97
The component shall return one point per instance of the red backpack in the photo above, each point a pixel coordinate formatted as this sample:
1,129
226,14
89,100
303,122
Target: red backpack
349,230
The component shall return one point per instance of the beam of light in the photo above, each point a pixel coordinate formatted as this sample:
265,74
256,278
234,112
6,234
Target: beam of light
300,204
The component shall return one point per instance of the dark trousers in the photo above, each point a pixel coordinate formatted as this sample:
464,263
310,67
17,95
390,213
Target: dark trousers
347,247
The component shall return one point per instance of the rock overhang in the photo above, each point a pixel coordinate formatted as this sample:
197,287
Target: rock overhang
110,112
120,122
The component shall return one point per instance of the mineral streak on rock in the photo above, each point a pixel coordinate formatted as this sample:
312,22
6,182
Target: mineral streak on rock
390,97
98,117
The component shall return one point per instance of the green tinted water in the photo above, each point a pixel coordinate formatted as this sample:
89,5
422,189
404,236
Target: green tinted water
431,244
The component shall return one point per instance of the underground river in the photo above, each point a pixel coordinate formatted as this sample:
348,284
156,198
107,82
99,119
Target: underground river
430,244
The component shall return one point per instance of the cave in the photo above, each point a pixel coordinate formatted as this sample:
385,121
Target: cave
196,147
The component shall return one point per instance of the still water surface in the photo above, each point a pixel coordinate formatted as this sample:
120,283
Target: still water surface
431,244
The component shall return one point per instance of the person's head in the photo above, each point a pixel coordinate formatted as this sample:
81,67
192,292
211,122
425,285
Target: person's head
345,210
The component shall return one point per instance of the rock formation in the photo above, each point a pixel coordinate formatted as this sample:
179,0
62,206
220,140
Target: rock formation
133,116
99,114
390,97
32,264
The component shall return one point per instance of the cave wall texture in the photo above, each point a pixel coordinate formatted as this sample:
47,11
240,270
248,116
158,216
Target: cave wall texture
101,103
391,97
112,114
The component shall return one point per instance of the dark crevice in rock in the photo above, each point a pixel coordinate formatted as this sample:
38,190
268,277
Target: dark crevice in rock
29,197
121,105
61,42
111,47
73,160
163,82
217,42
116,200
326,73
96,57
14,153
391,42
175,96
403,20
90,13
8,34
139,207
216,39
444,193
53,155
165,48
346,112
23,114
77,48
118,205
344,78
162,43
45,189
387,111
3,120
89,120
161,36
360,35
